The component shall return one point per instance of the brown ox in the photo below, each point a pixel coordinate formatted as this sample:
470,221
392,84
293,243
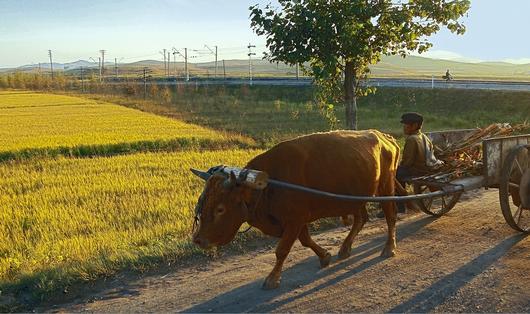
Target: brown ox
342,162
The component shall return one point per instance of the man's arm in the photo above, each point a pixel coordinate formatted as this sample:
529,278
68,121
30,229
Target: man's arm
409,152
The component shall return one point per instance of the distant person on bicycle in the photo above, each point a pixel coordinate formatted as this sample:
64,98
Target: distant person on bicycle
448,77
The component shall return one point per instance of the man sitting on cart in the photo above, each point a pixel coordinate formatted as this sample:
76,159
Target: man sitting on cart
418,154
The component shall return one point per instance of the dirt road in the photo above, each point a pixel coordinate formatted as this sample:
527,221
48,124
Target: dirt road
466,261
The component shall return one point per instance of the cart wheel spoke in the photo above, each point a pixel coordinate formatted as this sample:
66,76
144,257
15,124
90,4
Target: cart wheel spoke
436,206
429,203
519,213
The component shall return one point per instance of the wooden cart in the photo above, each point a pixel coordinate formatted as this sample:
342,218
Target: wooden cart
506,167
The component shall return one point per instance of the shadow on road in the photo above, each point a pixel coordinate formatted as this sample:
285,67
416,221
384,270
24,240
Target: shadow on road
440,291
245,298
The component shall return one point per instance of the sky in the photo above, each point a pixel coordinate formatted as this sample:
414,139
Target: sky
132,30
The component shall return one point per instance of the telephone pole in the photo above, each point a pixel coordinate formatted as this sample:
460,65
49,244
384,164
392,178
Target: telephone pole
51,61
250,54
102,74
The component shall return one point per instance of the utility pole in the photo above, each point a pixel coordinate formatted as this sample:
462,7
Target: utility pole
99,64
168,62
145,82
250,54
39,68
51,62
186,64
215,54
116,67
82,81
224,70
102,75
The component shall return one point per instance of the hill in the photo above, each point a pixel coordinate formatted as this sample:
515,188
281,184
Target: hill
389,67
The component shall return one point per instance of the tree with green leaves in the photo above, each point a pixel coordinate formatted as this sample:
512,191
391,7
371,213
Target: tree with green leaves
335,41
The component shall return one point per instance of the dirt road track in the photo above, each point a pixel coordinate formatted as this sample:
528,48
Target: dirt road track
466,261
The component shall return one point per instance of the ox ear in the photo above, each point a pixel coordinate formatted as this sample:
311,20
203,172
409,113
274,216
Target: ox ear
231,181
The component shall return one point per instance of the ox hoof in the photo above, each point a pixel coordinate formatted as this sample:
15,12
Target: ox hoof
387,252
324,262
270,284
344,254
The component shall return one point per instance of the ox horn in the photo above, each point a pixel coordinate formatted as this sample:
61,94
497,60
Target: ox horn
201,174
231,181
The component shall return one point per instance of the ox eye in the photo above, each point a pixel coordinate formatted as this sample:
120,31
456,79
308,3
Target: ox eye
220,210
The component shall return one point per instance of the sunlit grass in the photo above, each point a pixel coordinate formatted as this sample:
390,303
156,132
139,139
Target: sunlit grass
44,124
69,219
17,99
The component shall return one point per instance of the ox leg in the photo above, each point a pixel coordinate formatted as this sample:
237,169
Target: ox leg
283,248
360,218
305,239
390,210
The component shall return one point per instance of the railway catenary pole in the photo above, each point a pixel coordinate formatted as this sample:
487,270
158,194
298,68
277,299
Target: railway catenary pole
51,62
175,63
224,70
186,64
250,54
168,62
215,54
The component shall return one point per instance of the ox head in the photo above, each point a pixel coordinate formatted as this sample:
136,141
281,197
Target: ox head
221,208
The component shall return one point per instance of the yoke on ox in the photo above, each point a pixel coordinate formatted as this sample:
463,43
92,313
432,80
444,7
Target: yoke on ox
343,162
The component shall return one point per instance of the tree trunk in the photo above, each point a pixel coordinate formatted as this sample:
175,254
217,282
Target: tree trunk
350,97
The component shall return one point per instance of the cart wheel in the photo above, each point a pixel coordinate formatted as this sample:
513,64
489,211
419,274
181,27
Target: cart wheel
514,189
436,206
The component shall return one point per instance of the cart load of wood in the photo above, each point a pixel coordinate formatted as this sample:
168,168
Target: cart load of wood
465,157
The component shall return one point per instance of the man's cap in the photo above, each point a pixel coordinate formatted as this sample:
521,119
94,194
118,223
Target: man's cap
411,117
